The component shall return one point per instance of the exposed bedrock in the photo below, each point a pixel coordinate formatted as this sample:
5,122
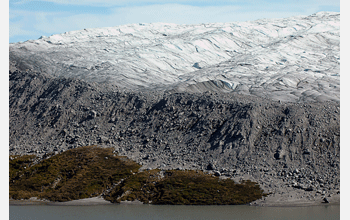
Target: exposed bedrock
292,146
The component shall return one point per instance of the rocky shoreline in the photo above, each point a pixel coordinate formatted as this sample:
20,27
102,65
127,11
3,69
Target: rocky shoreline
291,149
80,202
271,201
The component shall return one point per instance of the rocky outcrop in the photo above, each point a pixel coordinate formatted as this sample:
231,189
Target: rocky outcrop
283,146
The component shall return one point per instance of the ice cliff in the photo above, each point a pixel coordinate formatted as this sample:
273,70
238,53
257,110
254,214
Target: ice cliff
291,59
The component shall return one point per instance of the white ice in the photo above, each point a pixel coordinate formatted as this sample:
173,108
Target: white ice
282,59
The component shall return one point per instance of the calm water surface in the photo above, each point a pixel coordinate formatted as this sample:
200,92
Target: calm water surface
154,212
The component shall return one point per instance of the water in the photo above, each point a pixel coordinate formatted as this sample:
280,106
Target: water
154,212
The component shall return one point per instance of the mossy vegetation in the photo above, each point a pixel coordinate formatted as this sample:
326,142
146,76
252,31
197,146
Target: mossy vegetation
17,164
75,174
89,171
184,188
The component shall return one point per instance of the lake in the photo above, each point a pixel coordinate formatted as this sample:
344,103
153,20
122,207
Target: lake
154,212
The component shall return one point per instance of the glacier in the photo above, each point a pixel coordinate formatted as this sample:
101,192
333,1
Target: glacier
295,59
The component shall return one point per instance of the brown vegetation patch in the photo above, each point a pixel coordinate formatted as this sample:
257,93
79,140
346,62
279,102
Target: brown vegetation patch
89,171
75,174
184,188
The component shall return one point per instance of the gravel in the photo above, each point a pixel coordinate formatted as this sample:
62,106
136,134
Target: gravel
291,149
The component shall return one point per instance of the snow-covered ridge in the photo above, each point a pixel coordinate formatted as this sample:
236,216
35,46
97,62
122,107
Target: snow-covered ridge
291,59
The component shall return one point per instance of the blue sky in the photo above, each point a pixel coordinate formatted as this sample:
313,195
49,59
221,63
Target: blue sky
30,19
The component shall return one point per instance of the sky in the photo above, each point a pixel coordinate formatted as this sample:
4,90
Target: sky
30,19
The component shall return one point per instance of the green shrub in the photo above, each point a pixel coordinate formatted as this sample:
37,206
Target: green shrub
88,171
75,174
185,188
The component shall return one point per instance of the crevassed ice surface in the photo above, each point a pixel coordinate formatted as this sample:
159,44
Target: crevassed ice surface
290,59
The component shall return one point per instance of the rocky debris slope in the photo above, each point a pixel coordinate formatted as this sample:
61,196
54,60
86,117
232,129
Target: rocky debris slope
288,148
292,59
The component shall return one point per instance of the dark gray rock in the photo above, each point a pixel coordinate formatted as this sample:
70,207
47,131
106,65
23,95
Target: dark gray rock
325,200
217,173
209,131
